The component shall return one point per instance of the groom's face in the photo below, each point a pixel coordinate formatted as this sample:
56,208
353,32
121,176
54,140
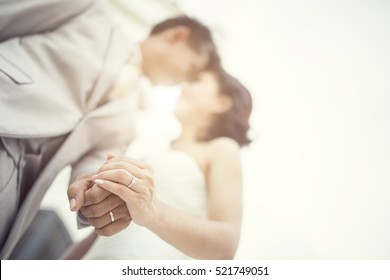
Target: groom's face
182,63
172,60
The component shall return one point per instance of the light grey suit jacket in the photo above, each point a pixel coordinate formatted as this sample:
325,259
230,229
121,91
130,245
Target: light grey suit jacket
58,59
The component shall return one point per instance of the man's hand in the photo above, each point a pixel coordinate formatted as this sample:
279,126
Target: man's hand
105,211
77,189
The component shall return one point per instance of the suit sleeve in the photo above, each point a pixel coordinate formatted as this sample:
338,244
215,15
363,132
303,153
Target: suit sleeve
93,160
25,17
110,129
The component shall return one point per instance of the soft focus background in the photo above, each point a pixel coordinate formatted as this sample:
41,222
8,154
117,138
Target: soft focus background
317,176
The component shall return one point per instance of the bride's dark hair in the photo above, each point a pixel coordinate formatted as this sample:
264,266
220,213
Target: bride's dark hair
234,122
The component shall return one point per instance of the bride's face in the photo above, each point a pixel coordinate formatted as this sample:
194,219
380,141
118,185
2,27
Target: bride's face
199,100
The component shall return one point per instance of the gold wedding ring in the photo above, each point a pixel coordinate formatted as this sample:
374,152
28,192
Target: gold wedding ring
132,182
112,217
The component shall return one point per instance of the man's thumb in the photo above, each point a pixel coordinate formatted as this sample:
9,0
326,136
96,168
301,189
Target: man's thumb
77,201
111,156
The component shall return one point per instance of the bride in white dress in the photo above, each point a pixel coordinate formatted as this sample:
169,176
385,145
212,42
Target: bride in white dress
185,202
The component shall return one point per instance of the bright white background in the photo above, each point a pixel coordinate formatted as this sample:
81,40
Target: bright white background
317,176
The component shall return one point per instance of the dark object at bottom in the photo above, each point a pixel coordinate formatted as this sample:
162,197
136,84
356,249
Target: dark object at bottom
45,239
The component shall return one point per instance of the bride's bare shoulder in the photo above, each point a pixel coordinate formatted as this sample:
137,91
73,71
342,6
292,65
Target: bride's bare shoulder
222,147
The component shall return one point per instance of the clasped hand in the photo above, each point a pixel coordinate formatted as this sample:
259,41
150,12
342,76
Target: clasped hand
121,191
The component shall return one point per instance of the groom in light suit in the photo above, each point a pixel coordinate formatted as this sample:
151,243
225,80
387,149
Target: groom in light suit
65,99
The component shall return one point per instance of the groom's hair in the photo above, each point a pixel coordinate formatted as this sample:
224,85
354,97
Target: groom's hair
200,38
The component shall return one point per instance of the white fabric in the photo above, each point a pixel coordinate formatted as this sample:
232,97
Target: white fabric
180,182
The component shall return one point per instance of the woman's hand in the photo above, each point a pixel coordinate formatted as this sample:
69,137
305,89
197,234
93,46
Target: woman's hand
132,181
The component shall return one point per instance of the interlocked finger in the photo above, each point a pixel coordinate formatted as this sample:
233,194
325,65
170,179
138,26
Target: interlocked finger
98,210
106,179
120,212
114,227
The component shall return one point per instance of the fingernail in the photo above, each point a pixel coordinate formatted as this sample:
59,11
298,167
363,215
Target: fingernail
99,181
72,203
95,176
